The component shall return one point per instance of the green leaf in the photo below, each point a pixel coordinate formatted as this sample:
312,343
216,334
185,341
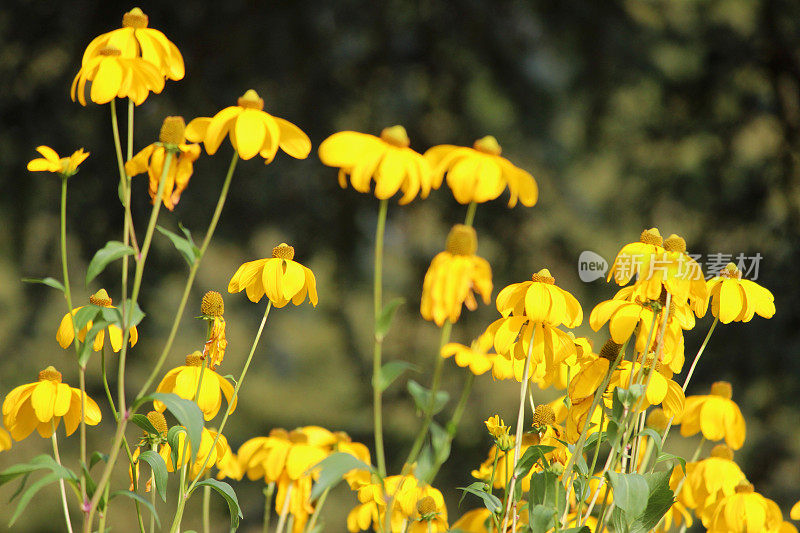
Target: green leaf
185,246
491,501
114,314
28,495
159,468
86,348
670,457
90,484
332,469
96,458
630,494
532,455
385,318
138,498
440,441
112,251
227,492
584,529
84,315
50,282
547,490
144,423
174,442
422,397
390,372
40,462
187,413
659,500
542,519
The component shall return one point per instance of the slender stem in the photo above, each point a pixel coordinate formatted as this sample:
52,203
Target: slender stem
468,220
232,402
206,509
125,415
130,130
269,490
437,379
154,447
518,436
105,382
378,346
190,280
317,508
57,457
101,526
284,510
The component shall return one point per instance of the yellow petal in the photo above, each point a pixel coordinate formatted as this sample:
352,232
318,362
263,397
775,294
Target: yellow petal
43,400
219,126
106,82
196,129
292,139
250,131
62,399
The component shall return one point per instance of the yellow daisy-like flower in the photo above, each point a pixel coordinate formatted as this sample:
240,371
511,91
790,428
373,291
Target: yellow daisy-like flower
386,159
452,277
280,278
66,329
251,130
214,349
479,174
496,426
151,160
50,162
415,507
115,76
715,415
207,450
136,40
541,300
710,480
183,381
734,299
476,356
745,511
43,404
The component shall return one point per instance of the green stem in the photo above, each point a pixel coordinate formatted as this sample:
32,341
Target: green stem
105,383
317,508
104,515
284,510
437,379
378,346
233,398
468,220
57,457
190,280
206,509
130,130
268,491
124,414
154,447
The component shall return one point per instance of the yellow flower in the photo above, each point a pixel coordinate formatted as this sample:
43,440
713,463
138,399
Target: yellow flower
66,329
715,415
745,511
479,174
415,507
114,76
5,440
710,480
734,299
280,278
452,277
136,40
43,404
66,166
496,426
214,349
207,449
541,300
183,381
475,356
678,513
150,441
386,159
151,160
251,131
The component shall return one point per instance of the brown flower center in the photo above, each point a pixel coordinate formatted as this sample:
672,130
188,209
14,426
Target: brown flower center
212,304
251,100
722,451
109,51
426,506
722,388
543,415
543,276
172,130
675,243
194,359
488,145
100,299
158,421
298,437
396,136
610,350
657,420
50,374
744,486
134,18
651,236
462,240
283,251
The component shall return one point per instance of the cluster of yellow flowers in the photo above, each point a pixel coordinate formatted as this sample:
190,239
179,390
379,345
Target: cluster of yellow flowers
623,398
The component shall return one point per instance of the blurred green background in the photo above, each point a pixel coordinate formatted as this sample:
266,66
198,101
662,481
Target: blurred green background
683,114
